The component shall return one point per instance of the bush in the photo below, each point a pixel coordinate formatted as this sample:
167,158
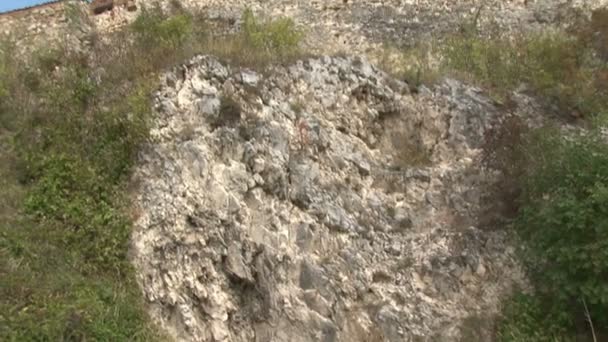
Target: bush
564,219
566,69
556,184
161,40
532,319
154,29
259,43
562,230
278,36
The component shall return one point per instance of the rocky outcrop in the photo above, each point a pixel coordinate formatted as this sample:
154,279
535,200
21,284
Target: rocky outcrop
319,201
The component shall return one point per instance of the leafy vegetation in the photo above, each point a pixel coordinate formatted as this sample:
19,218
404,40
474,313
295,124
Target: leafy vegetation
278,36
535,319
563,223
556,181
259,43
71,125
63,265
555,188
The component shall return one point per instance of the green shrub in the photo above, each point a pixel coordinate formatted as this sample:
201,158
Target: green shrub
154,29
279,36
160,39
564,219
532,319
556,184
562,228
259,43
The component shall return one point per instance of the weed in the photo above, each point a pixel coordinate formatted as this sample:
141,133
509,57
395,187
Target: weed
74,15
297,107
160,40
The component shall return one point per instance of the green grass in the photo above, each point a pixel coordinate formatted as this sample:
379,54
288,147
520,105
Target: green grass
566,69
557,67
71,125
64,273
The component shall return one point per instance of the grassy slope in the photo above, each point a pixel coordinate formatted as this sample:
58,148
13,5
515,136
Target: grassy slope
67,146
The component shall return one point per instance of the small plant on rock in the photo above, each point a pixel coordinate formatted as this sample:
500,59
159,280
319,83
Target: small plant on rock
279,36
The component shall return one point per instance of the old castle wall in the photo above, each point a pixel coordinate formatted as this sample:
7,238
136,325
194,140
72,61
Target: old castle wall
55,16
60,20
36,20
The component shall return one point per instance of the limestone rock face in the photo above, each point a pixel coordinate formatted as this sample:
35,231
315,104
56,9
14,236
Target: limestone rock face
319,201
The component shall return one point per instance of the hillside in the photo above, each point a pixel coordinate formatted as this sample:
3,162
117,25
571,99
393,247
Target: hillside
289,170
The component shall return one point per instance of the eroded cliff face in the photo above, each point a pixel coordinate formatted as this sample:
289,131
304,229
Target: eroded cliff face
332,26
317,202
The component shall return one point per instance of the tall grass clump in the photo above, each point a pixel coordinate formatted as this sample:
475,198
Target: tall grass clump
259,42
272,37
563,68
